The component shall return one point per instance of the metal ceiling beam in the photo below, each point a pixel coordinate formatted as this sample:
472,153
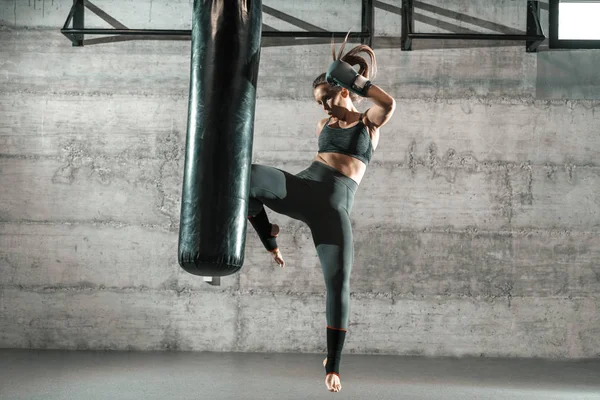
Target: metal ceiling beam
368,21
533,38
76,34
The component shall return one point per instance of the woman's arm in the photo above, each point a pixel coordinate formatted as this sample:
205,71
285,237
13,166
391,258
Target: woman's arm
384,107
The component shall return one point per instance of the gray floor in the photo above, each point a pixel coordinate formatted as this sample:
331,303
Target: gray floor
53,374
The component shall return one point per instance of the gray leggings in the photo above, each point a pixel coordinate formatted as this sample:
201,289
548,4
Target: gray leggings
321,197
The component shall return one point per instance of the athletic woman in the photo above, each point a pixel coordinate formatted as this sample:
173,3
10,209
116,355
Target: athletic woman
322,195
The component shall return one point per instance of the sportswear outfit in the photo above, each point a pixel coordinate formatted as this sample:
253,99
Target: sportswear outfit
322,197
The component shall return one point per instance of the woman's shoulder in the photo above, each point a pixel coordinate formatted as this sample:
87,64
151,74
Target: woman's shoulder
322,123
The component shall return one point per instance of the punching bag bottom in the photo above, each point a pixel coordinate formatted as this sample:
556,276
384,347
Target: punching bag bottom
220,265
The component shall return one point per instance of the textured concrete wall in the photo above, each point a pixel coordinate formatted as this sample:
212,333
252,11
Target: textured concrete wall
476,227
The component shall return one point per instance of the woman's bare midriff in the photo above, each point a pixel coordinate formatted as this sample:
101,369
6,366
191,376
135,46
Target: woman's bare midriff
352,167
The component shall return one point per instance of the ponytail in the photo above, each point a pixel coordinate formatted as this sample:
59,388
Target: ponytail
353,58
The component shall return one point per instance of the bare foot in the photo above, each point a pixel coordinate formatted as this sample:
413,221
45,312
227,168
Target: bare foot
332,381
277,257
276,253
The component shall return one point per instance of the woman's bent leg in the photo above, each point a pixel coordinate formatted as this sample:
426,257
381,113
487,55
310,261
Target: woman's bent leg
282,192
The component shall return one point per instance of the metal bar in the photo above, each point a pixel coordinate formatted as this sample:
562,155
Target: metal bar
212,280
70,16
171,32
68,22
78,21
314,34
473,36
537,16
407,24
533,26
148,32
553,26
368,21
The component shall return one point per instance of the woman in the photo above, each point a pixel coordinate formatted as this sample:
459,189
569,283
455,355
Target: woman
322,195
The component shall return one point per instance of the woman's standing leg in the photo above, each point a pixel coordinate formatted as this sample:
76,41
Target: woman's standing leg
332,235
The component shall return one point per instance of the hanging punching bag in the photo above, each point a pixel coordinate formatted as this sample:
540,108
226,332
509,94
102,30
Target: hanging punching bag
224,69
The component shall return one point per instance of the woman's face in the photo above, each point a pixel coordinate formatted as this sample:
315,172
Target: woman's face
330,100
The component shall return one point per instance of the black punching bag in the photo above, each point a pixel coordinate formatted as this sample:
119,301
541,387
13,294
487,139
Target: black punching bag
224,69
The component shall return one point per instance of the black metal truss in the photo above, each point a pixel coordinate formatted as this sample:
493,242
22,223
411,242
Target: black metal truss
76,34
533,38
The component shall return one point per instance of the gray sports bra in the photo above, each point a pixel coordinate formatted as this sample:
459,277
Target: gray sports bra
354,142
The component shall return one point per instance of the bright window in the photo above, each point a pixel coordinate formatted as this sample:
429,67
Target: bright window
575,24
579,20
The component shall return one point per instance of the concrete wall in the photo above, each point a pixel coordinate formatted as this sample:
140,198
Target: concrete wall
476,227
